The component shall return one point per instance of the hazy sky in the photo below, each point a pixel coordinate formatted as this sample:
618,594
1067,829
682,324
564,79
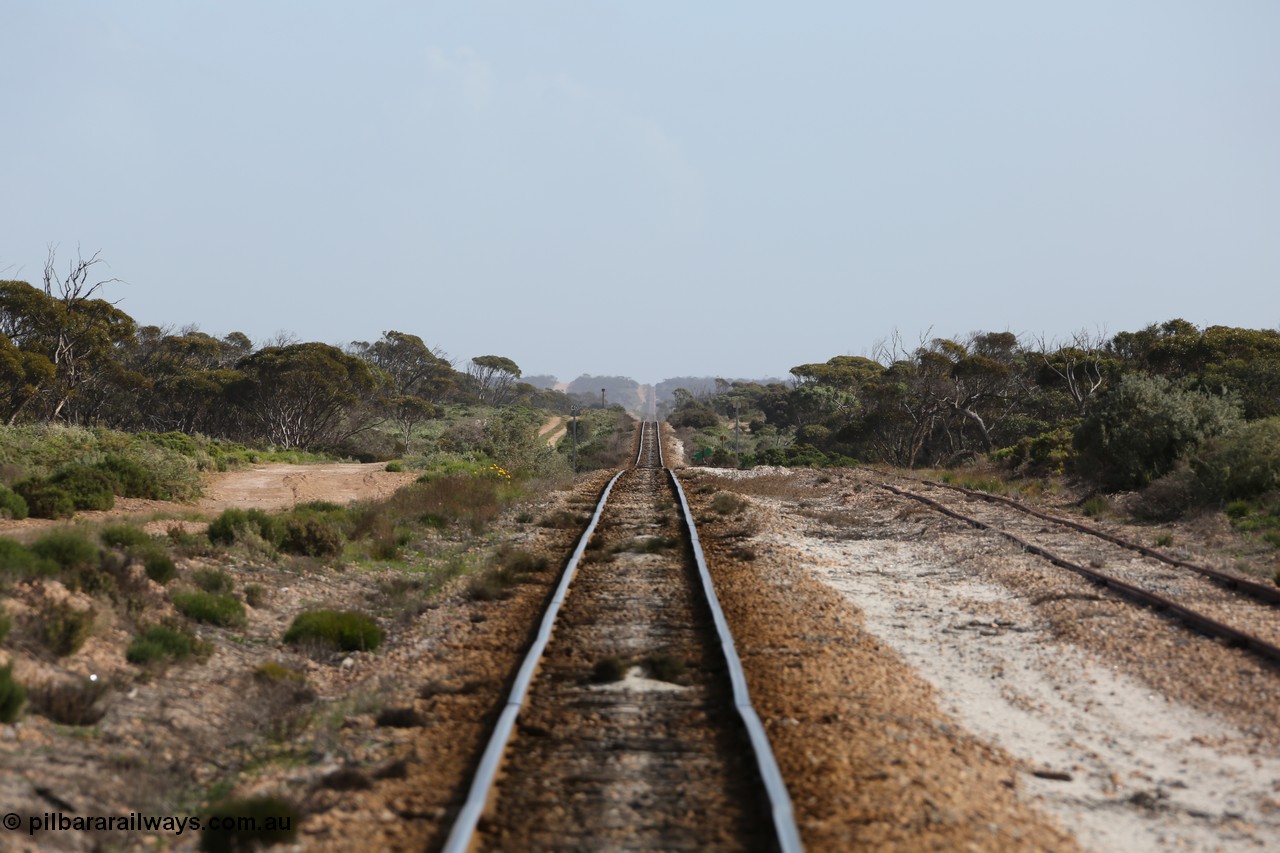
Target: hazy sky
651,189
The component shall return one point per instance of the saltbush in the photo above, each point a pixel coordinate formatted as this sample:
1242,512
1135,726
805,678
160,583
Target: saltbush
1243,464
12,504
216,581
343,630
124,537
312,537
1145,424
253,824
130,479
160,643
19,561
213,608
12,696
65,628
68,549
44,499
159,566
89,487
235,525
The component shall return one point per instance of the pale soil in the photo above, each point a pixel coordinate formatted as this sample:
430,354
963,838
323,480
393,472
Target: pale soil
557,427
275,486
1151,737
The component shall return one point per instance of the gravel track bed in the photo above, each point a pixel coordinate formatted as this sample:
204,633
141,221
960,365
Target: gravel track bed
1145,736
870,759
641,763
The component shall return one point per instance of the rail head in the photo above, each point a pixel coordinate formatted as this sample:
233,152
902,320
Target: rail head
463,832
784,822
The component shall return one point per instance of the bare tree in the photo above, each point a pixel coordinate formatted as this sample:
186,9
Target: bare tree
85,328
1080,364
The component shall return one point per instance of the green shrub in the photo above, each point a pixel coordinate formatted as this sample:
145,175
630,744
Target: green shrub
161,643
89,487
159,566
215,609
258,822
312,537
124,537
1095,506
255,595
130,479
12,696
394,468
235,525
343,630
45,500
1146,423
6,624
17,560
1242,464
64,628
68,549
213,580
12,504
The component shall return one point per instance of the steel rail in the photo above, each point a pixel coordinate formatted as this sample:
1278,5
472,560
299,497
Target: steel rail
462,834
784,822
1260,591
464,828
1198,620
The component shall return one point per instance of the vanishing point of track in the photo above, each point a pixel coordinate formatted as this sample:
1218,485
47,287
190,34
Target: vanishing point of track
671,757
1236,610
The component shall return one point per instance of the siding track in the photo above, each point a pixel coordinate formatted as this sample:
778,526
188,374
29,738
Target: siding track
670,757
1239,611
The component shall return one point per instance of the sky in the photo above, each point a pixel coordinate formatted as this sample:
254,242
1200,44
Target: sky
649,189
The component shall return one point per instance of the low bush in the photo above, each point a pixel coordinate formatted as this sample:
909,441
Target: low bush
45,500
65,628
253,823
1242,464
255,595
1138,430
311,537
124,537
213,580
90,487
71,702
12,696
129,479
212,608
237,525
12,504
343,630
161,643
16,560
68,549
159,566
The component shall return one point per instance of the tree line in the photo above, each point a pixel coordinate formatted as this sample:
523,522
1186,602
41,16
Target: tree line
69,355
1124,408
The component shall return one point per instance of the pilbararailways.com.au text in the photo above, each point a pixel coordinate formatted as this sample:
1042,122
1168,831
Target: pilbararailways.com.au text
139,822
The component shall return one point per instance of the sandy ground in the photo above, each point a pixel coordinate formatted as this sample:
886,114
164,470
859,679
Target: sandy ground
282,486
275,486
1122,764
554,429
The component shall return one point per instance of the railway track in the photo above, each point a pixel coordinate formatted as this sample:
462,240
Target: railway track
1236,610
628,726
